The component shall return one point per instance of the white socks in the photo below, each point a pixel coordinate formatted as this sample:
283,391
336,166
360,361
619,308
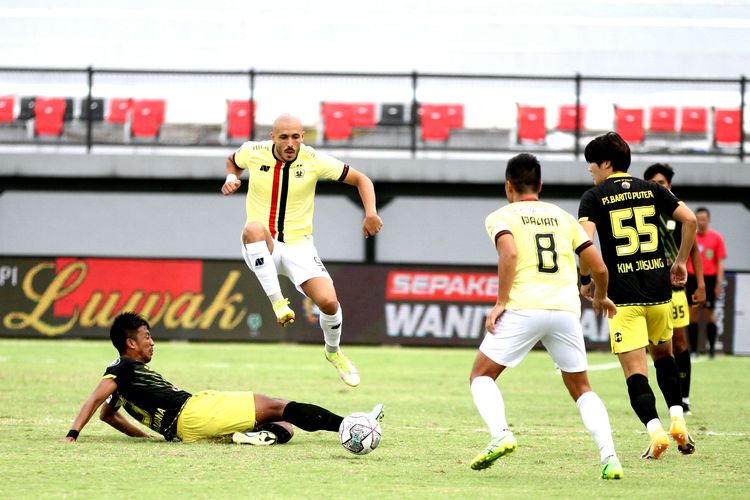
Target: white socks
489,401
259,260
596,420
331,325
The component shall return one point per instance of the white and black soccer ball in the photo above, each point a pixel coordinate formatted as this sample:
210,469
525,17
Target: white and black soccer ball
359,433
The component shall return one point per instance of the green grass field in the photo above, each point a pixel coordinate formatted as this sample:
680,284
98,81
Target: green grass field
430,432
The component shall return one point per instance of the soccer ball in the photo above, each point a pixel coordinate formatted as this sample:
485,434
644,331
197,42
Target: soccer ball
359,433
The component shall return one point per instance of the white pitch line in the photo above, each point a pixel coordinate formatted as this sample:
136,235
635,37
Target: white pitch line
616,364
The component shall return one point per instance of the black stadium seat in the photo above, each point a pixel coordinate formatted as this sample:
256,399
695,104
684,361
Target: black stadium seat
27,109
391,114
96,107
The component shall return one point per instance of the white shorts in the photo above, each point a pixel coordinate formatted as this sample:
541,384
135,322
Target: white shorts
518,331
299,263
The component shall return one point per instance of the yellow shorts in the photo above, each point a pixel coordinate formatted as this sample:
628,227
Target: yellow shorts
212,414
636,326
680,309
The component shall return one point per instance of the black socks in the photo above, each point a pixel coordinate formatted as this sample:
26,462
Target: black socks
310,417
642,398
668,378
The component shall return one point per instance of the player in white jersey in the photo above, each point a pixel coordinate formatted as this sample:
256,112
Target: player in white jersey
277,237
537,301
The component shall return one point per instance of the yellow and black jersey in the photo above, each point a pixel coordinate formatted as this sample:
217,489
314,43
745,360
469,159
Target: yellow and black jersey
280,194
627,212
146,396
670,235
547,239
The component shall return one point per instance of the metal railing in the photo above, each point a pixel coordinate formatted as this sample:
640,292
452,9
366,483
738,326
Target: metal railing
197,108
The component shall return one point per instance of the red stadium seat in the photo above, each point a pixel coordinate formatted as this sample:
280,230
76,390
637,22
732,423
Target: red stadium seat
567,118
118,110
363,114
694,120
629,124
337,121
532,125
727,127
147,117
48,115
6,108
436,124
455,113
240,119
663,119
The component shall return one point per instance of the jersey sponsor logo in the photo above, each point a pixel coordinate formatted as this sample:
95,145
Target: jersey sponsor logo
265,168
259,261
115,362
630,195
444,286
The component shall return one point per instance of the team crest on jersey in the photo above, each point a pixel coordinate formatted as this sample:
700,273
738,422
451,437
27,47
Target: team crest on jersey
299,173
115,362
618,337
626,185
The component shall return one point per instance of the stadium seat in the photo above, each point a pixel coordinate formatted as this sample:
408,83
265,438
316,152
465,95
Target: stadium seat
48,115
147,117
727,127
694,120
118,110
629,124
27,109
6,108
240,119
337,121
363,114
455,113
435,122
567,118
95,108
531,124
663,119
392,114
69,105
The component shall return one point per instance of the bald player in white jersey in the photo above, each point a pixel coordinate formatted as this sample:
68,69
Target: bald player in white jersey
538,300
277,237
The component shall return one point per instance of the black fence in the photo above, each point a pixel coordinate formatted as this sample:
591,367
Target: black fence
411,112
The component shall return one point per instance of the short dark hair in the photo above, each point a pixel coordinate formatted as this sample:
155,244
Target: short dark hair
659,168
524,173
125,326
612,147
703,209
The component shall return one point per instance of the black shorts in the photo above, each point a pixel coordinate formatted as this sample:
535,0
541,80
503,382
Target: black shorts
692,284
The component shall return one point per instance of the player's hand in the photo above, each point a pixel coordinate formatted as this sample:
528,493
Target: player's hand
699,296
678,274
230,187
371,225
604,306
493,316
587,292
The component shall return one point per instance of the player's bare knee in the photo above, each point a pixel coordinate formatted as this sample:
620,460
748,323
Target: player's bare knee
253,231
328,305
